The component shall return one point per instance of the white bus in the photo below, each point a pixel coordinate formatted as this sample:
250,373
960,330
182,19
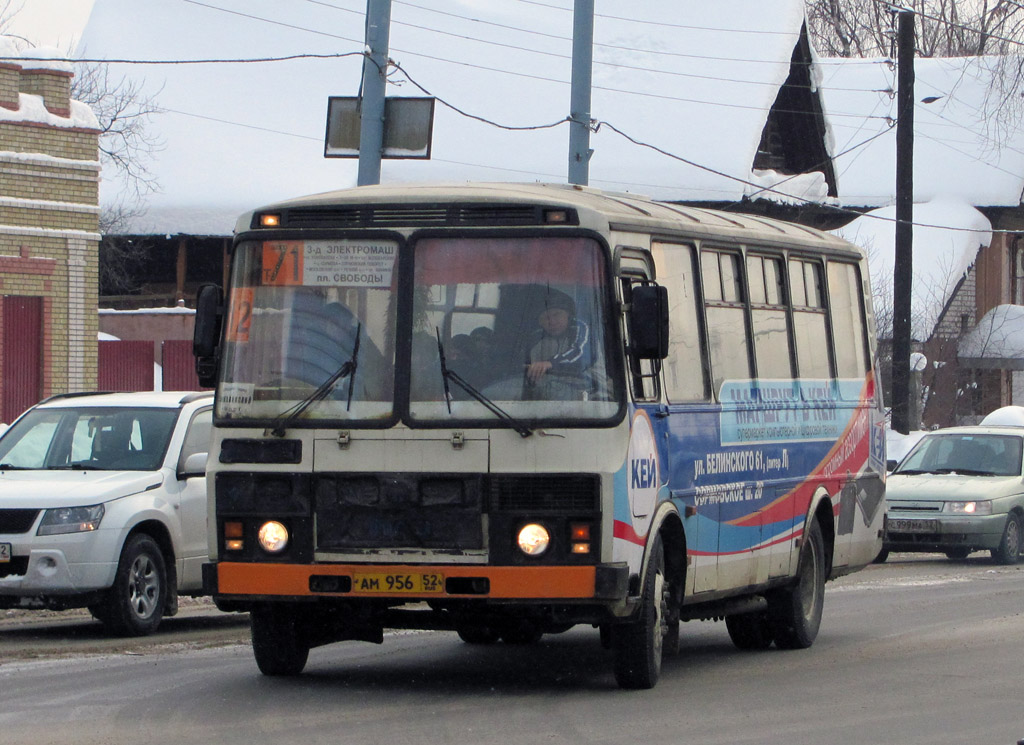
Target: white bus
506,410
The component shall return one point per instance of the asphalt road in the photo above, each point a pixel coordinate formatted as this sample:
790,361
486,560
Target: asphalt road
919,650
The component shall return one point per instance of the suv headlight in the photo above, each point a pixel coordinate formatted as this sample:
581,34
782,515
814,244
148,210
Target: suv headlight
969,508
70,520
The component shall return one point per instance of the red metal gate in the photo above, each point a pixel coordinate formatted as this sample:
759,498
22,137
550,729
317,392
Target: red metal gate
179,366
125,366
22,354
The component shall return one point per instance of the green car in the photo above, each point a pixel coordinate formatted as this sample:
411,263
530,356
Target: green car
959,490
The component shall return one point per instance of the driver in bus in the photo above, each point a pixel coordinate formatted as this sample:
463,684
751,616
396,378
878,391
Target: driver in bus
560,351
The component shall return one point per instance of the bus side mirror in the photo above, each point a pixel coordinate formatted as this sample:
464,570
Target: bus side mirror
209,315
648,322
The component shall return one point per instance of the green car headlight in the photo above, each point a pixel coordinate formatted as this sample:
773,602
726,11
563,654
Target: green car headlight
969,508
70,520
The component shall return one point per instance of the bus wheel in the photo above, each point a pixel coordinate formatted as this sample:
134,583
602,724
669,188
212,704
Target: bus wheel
478,634
637,645
794,613
522,633
276,642
749,630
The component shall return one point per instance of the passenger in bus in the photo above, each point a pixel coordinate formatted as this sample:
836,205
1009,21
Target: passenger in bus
560,352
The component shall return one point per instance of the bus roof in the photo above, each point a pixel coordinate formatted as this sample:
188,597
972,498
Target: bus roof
599,210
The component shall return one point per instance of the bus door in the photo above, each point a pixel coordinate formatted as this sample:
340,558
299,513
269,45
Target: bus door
649,459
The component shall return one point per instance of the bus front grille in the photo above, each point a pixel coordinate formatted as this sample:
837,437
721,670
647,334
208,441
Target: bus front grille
544,492
421,511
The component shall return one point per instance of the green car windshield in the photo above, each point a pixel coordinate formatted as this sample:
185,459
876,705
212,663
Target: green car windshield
972,454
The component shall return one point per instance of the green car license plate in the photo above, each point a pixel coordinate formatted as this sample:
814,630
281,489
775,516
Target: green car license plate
911,525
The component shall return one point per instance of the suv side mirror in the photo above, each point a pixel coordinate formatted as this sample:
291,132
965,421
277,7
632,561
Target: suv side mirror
209,316
648,322
194,465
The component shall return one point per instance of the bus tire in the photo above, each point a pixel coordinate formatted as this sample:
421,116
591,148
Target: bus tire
478,634
135,603
277,645
794,613
750,631
522,633
637,645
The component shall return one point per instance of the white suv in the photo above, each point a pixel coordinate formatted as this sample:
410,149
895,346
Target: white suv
103,505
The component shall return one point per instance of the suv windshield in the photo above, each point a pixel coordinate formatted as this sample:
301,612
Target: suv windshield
977,454
106,439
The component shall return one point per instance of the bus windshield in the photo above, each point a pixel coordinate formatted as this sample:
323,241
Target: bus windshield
521,325
296,311
522,322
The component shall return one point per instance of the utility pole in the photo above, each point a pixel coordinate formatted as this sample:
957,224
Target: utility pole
375,67
579,101
903,273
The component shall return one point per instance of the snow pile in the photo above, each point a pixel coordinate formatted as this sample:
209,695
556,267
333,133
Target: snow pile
1007,416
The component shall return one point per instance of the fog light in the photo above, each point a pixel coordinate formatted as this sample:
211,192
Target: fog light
534,539
581,548
273,537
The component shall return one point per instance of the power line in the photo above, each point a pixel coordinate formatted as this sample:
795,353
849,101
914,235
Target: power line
486,67
207,61
559,55
663,24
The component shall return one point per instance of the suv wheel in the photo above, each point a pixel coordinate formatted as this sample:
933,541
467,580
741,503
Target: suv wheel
135,604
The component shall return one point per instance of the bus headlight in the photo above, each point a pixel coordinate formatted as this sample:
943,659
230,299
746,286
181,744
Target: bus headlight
533,539
273,537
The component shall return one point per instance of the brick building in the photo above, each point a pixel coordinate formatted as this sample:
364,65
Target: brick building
49,213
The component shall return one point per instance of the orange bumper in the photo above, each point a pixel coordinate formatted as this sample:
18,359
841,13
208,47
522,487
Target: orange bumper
505,583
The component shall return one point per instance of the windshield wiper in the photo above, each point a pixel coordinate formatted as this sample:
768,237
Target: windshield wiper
347,369
453,376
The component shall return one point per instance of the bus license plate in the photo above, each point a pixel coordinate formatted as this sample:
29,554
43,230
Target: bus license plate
911,526
5,552
404,582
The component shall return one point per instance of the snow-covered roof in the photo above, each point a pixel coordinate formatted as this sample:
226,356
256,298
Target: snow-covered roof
997,341
693,79
968,137
948,233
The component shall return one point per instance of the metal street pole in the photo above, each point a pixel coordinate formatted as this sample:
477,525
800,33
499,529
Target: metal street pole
579,101
375,66
904,263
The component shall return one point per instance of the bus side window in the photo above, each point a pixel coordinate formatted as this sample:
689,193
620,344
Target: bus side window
725,310
847,319
769,319
809,320
685,367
